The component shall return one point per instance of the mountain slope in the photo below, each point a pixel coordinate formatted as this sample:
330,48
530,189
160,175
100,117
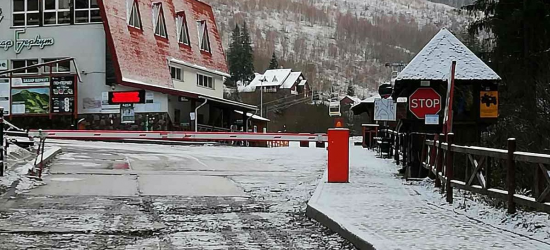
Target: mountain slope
337,42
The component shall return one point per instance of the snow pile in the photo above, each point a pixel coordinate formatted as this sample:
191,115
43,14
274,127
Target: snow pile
534,225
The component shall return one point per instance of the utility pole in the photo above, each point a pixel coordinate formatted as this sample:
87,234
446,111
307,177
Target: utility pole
262,95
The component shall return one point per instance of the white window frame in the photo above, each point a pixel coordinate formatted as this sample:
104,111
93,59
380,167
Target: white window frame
132,15
205,85
26,65
55,67
57,10
89,10
178,72
182,30
203,32
25,12
159,22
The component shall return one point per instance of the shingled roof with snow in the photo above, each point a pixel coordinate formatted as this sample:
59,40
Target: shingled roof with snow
141,57
433,62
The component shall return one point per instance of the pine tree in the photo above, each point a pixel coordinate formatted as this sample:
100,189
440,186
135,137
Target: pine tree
247,55
234,55
520,54
351,90
274,63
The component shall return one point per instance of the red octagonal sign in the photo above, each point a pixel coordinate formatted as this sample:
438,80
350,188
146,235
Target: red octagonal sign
424,101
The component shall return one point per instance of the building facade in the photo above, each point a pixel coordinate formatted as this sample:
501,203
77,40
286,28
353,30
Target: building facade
283,81
132,64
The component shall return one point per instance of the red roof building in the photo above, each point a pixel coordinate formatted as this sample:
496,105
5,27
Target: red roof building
166,55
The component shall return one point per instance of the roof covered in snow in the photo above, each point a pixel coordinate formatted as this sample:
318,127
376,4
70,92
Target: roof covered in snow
140,55
291,80
433,62
283,78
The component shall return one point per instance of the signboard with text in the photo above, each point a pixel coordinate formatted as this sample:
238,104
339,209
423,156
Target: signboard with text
30,82
127,97
424,101
63,94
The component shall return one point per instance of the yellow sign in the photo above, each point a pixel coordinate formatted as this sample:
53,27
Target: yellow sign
488,104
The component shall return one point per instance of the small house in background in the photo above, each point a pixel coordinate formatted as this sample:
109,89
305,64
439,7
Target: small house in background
475,102
279,81
348,101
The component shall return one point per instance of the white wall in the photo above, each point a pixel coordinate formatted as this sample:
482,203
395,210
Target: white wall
189,82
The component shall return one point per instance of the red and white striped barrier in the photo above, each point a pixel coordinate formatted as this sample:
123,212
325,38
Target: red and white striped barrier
104,135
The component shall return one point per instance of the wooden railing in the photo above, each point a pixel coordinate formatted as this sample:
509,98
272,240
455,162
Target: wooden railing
438,156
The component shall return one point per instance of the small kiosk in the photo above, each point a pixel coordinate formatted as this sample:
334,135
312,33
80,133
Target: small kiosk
425,83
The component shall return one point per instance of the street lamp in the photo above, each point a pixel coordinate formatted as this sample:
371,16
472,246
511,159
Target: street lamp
262,95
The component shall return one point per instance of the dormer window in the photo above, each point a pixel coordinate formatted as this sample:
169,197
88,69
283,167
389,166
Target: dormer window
158,20
204,39
182,31
134,18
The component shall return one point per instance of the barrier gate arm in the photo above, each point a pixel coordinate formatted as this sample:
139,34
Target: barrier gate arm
177,136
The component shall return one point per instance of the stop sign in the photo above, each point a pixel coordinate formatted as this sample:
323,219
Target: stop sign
424,101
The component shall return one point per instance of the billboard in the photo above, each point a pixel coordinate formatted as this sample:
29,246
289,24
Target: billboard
30,101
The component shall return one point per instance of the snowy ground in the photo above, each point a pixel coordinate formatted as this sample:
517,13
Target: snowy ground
138,196
391,213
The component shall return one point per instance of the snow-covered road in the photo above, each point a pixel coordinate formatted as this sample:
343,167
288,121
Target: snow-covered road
137,196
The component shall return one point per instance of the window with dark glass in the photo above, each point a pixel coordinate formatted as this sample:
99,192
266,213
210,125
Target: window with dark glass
134,18
204,39
158,20
25,13
56,12
57,67
182,31
205,81
176,73
86,11
16,64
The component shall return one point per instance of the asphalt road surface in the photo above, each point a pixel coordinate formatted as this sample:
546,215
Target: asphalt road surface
136,196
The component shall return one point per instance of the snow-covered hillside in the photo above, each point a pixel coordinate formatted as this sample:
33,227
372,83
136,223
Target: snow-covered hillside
337,42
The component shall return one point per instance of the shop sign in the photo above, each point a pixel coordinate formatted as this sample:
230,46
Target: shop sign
19,43
63,85
31,82
127,114
127,97
62,105
183,99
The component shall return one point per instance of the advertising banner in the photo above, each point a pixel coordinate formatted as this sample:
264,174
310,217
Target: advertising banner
30,101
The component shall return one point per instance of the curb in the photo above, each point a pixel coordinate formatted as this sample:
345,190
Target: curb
48,155
325,220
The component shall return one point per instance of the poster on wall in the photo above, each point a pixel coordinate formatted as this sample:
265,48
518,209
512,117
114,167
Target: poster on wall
127,114
62,105
30,82
488,106
63,85
30,101
5,95
62,92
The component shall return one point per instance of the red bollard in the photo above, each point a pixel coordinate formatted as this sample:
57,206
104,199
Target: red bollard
338,155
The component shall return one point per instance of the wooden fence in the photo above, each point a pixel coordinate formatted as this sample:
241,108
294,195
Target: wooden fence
438,156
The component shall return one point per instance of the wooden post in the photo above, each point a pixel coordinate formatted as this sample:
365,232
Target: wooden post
439,161
397,145
422,154
405,150
511,176
449,168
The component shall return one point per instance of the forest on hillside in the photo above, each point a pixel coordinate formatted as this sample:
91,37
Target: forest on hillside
336,42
